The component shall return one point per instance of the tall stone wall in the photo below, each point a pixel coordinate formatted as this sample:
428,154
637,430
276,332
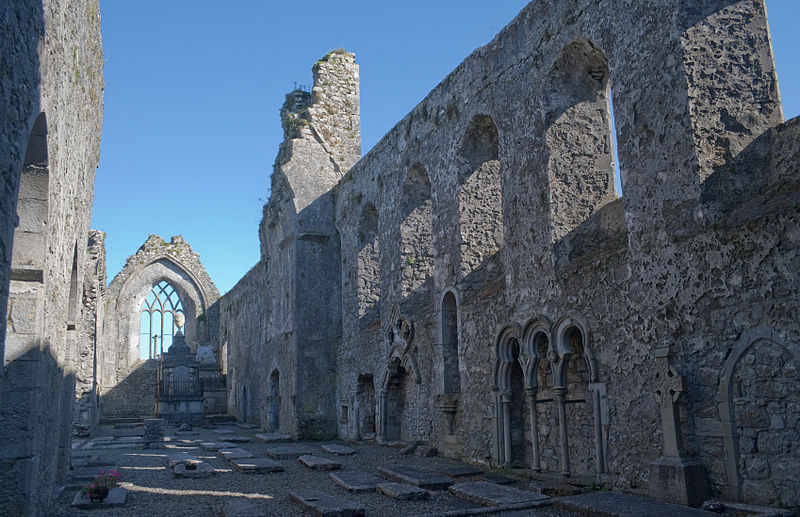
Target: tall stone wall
49,147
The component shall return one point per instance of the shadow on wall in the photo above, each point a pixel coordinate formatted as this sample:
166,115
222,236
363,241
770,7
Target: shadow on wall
36,431
133,397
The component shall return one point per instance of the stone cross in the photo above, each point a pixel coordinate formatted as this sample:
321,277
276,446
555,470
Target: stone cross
669,386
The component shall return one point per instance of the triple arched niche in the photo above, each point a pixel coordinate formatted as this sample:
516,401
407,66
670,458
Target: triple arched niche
543,350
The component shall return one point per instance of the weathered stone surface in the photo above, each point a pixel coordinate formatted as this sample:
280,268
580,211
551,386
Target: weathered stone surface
224,431
466,470
612,504
193,470
341,450
426,451
496,479
327,505
241,508
256,465
402,492
284,452
415,477
356,480
245,425
234,453
273,437
116,497
174,458
317,463
491,494
238,439
215,446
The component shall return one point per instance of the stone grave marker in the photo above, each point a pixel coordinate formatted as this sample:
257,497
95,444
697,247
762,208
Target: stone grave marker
402,492
317,463
190,470
241,508
215,446
273,437
117,496
341,450
356,480
466,470
286,452
415,477
235,453
256,465
326,504
491,494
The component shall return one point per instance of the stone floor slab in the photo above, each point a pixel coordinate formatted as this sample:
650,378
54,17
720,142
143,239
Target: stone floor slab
238,439
317,463
496,479
235,453
415,477
287,452
554,489
173,458
458,472
244,425
200,470
357,480
242,508
491,494
341,450
402,492
215,446
273,437
116,497
257,465
612,504
224,431
327,505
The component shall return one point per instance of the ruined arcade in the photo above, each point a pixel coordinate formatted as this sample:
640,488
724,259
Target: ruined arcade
474,285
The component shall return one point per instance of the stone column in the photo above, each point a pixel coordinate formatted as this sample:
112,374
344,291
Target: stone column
536,463
382,414
673,477
561,401
505,399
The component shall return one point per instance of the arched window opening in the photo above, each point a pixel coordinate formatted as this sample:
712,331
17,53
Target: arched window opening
480,197
579,410
157,320
452,362
614,146
416,231
368,266
579,136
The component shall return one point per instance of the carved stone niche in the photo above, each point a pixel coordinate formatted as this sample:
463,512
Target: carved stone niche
447,404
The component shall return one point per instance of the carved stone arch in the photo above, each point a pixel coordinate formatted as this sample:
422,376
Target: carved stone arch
503,356
536,326
725,398
400,360
563,351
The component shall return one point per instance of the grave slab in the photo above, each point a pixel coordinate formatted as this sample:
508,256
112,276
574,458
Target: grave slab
257,465
415,477
466,470
286,452
496,479
238,439
235,453
426,451
317,463
491,494
327,505
402,492
201,470
215,446
341,450
244,425
612,504
241,508
174,458
224,431
273,437
554,489
357,480
116,497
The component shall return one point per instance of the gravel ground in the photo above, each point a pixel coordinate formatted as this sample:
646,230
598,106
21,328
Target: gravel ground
153,491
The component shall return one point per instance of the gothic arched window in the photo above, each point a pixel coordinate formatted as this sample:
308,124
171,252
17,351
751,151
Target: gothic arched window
157,320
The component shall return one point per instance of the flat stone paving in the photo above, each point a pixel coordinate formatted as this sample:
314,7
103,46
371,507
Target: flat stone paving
288,451
415,477
341,450
490,494
402,492
241,508
466,470
273,437
356,480
116,497
257,465
215,446
327,505
317,463
612,504
235,453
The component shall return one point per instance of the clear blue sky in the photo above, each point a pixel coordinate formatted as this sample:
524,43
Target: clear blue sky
193,89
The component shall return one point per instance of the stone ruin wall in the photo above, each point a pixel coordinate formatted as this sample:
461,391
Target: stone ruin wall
53,107
127,384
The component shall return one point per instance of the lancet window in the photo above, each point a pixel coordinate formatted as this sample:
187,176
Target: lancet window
157,320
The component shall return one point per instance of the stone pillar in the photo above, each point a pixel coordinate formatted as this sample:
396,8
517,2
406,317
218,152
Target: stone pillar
561,401
154,433
382,414
673,477
505,400
536,463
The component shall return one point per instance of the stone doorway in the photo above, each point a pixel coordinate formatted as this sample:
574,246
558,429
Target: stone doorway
395,402
365,407
274,410
520,419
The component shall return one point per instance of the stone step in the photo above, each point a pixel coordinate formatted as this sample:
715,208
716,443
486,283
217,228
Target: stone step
116,497
402,492
235,453
491,494
357,480
327,505
317,463
613,504
415,477
256,465
335,448
273,437
288,451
